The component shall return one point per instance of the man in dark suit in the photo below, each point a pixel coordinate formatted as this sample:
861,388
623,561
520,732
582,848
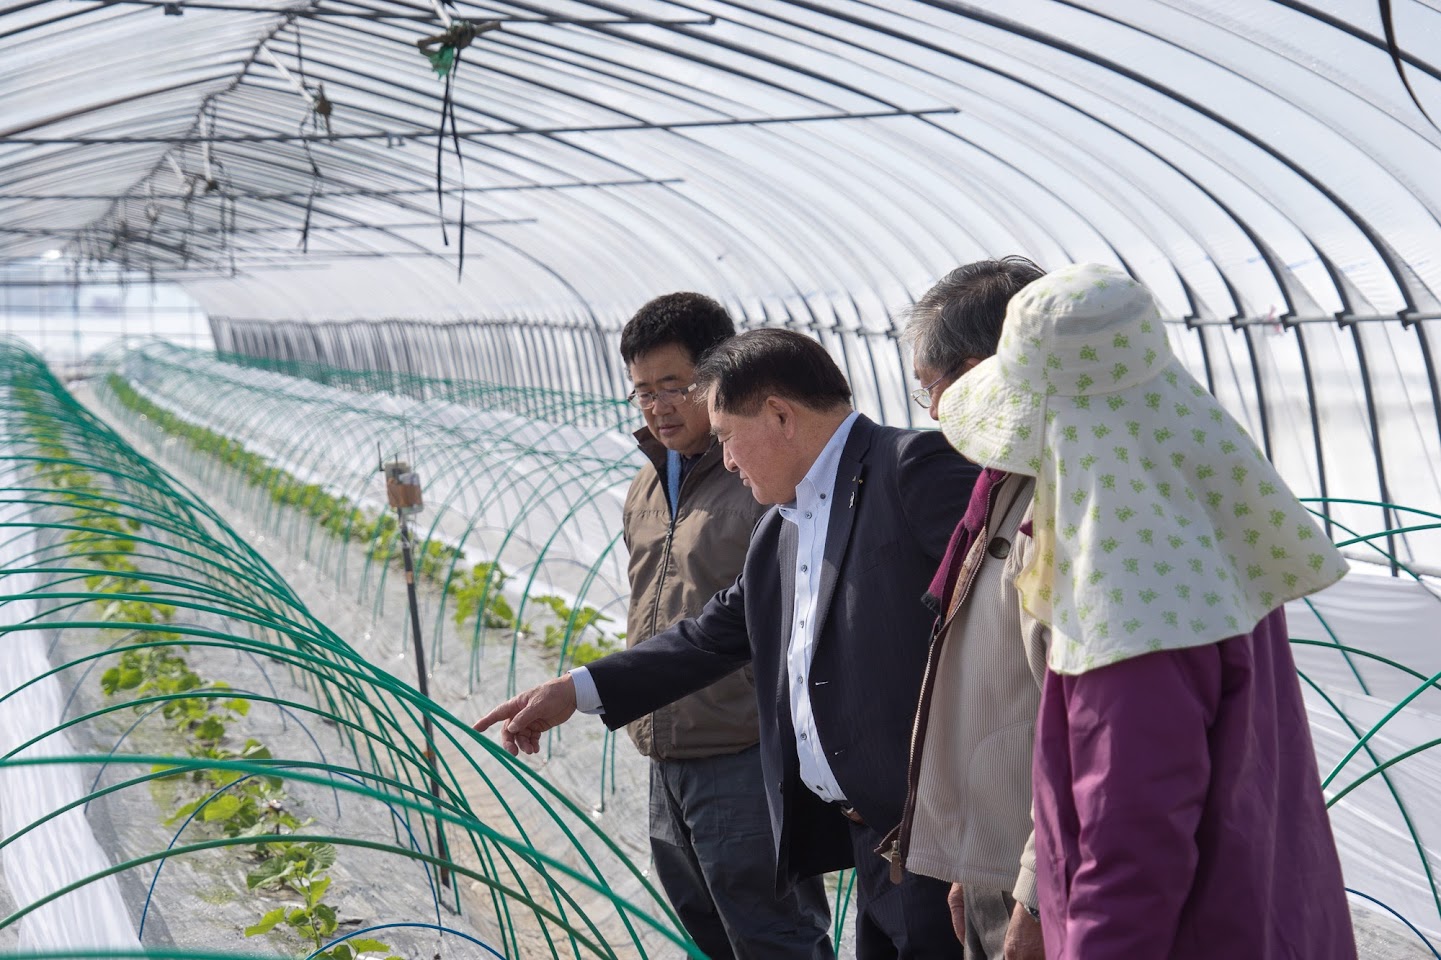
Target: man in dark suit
827,611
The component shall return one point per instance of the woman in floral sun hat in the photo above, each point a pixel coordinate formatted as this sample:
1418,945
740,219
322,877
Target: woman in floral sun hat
1178,809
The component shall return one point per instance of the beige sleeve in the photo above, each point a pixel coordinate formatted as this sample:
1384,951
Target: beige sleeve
1025,888
1036,636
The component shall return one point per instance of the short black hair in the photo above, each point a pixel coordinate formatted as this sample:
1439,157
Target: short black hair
693,320
961,316
741,372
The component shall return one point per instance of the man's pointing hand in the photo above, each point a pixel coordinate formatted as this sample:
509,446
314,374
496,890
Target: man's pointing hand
532,713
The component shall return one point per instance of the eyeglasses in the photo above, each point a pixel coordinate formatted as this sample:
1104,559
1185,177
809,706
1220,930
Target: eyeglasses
671,395
923,395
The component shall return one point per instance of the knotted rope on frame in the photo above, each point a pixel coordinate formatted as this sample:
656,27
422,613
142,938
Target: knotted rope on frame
445,60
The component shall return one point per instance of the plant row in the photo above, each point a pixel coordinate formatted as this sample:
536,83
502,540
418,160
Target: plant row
102,542
476,592
226,802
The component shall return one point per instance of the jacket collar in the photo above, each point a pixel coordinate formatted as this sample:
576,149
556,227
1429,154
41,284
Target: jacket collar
978,513
655,452
850,476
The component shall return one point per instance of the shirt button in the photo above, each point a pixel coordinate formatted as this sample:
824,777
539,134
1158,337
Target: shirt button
808,514
804,737
803,623
823,496
804,568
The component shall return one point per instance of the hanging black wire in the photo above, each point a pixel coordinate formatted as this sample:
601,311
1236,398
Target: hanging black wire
449,106
445,60
312,121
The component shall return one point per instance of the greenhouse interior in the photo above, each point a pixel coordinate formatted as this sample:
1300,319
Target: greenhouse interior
264,263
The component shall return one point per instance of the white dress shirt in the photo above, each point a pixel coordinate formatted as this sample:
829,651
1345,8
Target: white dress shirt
587,697
810,511
811,514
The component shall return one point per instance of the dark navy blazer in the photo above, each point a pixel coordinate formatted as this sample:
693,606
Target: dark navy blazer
898,496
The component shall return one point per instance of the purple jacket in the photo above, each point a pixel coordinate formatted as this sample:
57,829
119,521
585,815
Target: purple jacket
1179,812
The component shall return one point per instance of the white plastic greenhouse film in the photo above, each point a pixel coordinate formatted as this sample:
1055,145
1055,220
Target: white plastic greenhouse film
62,850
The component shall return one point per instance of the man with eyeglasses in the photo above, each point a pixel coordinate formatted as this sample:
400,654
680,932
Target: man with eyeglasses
957,323
687,523
967,815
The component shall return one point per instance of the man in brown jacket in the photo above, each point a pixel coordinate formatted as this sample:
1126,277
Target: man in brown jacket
687,523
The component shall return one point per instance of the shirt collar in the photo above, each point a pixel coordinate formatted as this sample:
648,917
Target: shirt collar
820,479
656,451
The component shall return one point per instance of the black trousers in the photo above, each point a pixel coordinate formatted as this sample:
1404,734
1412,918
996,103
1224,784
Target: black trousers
905,921
714,854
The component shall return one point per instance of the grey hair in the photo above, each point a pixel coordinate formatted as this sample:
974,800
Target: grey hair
961,316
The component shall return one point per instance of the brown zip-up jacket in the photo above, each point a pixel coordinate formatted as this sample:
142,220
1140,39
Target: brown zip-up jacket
968,807
675,567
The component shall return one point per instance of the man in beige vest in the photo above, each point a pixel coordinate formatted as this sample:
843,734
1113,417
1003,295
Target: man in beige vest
968,809
687,524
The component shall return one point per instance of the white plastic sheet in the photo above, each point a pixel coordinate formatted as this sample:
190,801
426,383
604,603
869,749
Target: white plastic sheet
1389,829
64,849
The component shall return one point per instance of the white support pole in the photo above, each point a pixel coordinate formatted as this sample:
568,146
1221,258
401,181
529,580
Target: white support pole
274,61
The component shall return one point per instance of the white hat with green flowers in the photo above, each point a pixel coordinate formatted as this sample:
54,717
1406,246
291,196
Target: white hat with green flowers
1158,523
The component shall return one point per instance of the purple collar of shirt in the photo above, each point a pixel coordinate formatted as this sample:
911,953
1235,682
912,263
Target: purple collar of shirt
972,523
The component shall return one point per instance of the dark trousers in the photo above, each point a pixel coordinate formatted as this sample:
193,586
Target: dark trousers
715,858
905,921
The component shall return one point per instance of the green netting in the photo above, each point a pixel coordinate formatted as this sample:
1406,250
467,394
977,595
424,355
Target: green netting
240,745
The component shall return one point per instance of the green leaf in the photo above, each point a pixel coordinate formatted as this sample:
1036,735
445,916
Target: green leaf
221,808
255,750
556,604
183,812
324,918
221,778
362,945
246,819
269,872
267,922
500,611
314,889
321,856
